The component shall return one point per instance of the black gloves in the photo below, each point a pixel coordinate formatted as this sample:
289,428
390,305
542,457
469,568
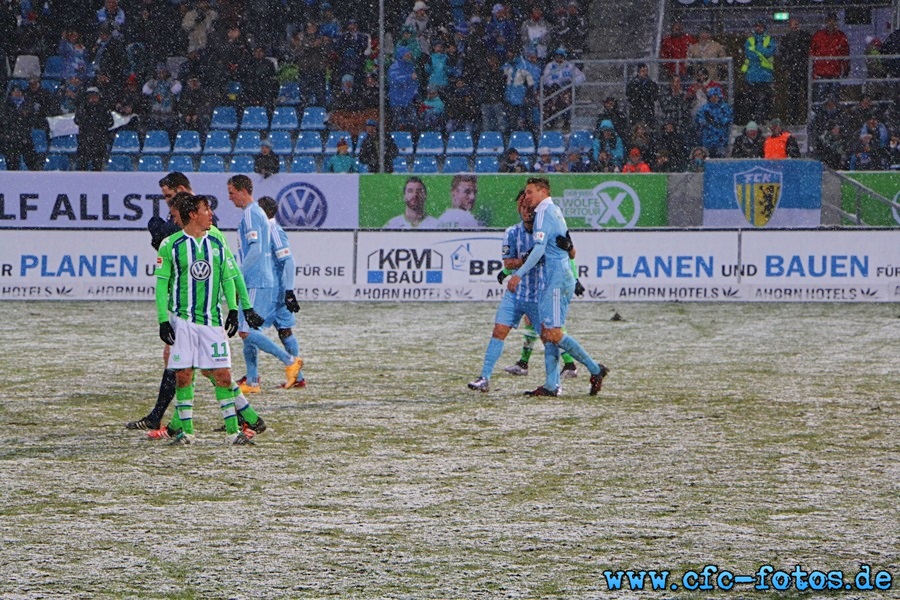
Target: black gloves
579,289
290,301
501,276
231,323
564,242
253,320
166,333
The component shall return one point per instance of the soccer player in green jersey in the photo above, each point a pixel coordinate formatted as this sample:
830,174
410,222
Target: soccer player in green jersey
194,273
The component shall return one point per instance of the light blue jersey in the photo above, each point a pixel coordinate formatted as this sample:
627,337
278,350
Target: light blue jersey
518,241
255,242
284,274
548,224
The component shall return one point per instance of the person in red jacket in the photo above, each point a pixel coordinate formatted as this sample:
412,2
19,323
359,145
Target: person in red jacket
826,43
635,163
675,46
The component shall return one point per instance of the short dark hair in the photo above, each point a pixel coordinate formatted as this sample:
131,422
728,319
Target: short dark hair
241,182
174,180
186,203
415,179
269,206
541,182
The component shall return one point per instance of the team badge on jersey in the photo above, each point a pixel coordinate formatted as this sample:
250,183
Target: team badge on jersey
201,270
538,237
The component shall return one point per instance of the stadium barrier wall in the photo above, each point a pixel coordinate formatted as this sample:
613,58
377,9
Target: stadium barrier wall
859,265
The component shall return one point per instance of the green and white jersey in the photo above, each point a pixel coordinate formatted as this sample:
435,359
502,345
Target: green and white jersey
194,273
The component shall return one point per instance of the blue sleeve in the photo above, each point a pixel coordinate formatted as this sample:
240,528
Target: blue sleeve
253,248
539,236
509,244
282,253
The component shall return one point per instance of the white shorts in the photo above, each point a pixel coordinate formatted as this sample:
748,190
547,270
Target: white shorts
199,346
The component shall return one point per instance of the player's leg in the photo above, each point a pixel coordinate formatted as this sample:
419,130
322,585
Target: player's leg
284,323
569,344
163,398
569,368
182,359
263,300
508,314
529,338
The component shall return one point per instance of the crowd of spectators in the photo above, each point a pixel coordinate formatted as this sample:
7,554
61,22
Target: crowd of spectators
453,65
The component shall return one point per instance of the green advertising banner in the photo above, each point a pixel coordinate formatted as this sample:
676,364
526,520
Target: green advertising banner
469,201
873,212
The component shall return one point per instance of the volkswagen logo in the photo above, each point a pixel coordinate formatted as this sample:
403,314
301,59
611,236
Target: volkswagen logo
302,205
201,270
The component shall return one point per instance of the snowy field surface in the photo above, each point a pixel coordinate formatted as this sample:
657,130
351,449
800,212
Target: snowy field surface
734,435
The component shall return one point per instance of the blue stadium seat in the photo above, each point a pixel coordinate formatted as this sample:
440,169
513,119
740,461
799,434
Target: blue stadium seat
430,144
313,118
182,162
487,164
581,141
241,163
126,142
309,142
247,142
53,67
187,142
284,117
404,142
119,163
150,163
283,164
553,140
490,143
333,137
460,143
425,164
156,141
218,141
289,94
457,164
255,117
56,162
51,85
224,117
39,139
211,164
64,144
522,141
401,165
2,163
281,141
303,163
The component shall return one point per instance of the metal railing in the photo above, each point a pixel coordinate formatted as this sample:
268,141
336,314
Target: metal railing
860,191
868,84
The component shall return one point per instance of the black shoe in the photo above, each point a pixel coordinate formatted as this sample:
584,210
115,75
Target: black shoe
257,427
597,380
541,391
142,424
241,424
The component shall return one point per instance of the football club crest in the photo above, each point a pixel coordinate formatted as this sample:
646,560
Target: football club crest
757,192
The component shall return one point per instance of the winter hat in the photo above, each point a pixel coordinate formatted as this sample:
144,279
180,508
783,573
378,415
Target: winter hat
606,124
420,6
752,126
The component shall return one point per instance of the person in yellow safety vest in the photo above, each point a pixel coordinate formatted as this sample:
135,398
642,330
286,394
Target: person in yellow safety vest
759,73
780,143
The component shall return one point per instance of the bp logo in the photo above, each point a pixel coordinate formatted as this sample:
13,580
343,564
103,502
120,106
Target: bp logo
302,205
201,270
610,205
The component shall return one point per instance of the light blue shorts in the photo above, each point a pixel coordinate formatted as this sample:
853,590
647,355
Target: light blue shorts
264,303
510,311
553,306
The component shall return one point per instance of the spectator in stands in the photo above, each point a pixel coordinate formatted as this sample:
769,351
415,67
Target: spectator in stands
109,61
697,162
74,55
794,56
674,49
16,132
825,116
266,163
259,82
714,120
232,53
501,32
642,93
432,111
699,91
353,47
826,43
195,106
40,103
131,101
642,139
780,143
522,76
831,147
636,163
559,74
545,163
490,82
879,132
611,112
571,30
866,156
674,143
70,94
418,20
675,106
94,121
345,111
749,144
309,52
512,163
402,91
369,150
604,163
663,163
535,32
198,24
704,52
861,113
893,161
462,107
144,41
436,66
329,26
162,91
575,164
609,142
759,73
408,41
113,14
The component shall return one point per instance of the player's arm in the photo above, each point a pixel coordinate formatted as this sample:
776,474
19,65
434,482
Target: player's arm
163,275
510,261
252,246
240,285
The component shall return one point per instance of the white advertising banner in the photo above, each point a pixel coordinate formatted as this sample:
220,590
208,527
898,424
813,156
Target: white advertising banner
57,200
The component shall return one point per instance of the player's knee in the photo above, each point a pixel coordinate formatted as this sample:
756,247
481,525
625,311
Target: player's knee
222,377
500,331
285,333
243,334
553,336
184,377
